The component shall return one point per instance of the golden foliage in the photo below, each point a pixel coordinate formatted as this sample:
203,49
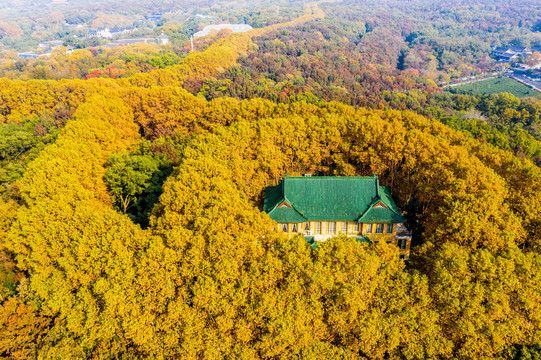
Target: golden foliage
211,279
21,330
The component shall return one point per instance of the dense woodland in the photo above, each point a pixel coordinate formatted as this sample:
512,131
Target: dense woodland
132,180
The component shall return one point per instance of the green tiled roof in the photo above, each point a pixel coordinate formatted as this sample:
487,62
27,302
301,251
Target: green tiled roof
299,199
386,213
363,238
310,240
381,215
288,215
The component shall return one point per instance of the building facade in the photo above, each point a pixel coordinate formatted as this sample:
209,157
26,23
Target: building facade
323,207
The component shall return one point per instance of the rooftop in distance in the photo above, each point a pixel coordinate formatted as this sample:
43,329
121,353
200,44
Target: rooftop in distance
233,27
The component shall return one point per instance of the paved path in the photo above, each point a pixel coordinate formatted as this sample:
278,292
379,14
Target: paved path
471,81
534,84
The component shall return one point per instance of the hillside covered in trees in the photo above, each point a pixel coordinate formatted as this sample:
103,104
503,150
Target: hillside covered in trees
130,204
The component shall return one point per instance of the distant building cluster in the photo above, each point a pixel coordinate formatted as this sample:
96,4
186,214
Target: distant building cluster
513,53
49,45
32,55
236,28
106,33
161,39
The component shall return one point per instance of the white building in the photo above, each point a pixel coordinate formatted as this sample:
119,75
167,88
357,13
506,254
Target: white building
236,28
162,39
102,32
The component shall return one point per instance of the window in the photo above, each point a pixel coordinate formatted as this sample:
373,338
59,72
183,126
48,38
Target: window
402,244
379,228
331,228
294,228
389,228
318,228
344,228
369,228
307,226
355,227
285,228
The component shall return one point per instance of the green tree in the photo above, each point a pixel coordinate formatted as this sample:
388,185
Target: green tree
135,182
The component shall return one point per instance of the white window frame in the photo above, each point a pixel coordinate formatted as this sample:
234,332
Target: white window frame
331,227
380,228
285,228
295,228
318,228
369,228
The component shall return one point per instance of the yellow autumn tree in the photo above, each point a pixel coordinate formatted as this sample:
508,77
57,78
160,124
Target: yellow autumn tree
67,234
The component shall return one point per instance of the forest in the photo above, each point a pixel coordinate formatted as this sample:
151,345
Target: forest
132,181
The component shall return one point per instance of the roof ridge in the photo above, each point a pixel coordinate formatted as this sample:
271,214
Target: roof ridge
391,205
381,199
373,209
279,202
290,206
293,206
298,212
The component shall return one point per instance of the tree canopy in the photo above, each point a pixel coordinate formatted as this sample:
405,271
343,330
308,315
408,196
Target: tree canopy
130,210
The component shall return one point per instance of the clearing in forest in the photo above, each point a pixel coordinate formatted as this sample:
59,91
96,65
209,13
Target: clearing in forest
495,86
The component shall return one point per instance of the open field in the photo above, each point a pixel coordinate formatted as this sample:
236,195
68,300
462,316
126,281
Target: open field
494,86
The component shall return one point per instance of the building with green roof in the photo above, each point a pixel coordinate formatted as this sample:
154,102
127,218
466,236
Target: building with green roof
320,207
